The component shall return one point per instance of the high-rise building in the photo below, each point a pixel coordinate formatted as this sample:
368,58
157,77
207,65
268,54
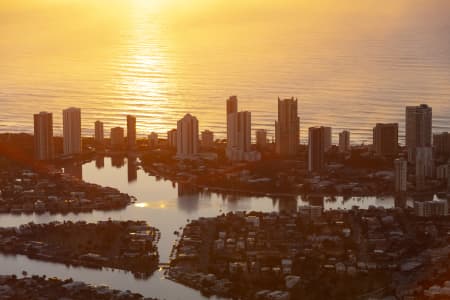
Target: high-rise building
327,138
172,138
131,132
316,149
344,141
287,127
232,108
99,136
261,138
431,208
401,173
441,143
424,165
418,128
385,139
72,131
153,139
187,136
240,132
43,136
207,138
117,138
448,177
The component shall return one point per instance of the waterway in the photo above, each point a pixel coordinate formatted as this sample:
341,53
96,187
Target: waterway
162,204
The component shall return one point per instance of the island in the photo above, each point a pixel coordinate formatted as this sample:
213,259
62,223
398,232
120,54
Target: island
125,245
314,254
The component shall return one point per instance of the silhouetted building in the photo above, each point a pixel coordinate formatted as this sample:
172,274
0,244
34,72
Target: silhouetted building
207,138
172,138
72,131
432,208
261,138
99,136
401,175
344,141
418,128
117,138
385,139
287,128
131,132
232,108
424,166
43,136
187,137
153,140
316,148
441,143
327,138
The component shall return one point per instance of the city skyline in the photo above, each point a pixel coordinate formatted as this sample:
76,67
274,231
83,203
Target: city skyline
225,149
330,137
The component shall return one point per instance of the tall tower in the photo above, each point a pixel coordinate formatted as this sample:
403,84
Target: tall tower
261,138
418,128
424,165
43,136
187,136
316,148
99,136
239,128
117,138
232,108
385,138
287,127
344,141
131,132
327,138
400,167
72,130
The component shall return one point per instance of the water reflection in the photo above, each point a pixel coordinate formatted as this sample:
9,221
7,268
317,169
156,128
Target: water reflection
100,162
132,169
117,161
188,197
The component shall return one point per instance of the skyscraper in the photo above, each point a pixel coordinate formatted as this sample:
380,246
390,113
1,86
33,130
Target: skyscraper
261,138
327,138
207,138
232,108
240,125
131,132
117,138
344,141
43,136
385,138
418,128
424,165
287,127
153,139
441,143
187,136
400,167
316,148
172,138
72,131
99,133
